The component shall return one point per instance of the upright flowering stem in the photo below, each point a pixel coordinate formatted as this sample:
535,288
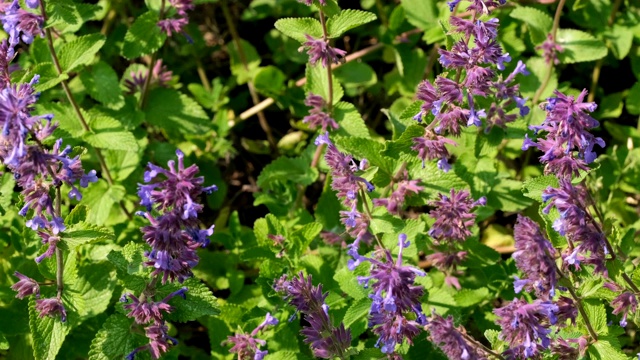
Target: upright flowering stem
554,32
578,301
152,63
252,90
59,257
325,37
85,126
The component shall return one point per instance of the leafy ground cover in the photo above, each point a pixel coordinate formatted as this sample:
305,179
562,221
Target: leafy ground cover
278,179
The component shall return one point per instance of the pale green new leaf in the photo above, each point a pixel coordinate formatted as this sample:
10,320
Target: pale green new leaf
579,46
100,198
471,297
606,348
296,28
533,188
80,51
348,283
143,37
48,333
4,343
420,13
355,318
538,21
176,113
95,285
84,233
68,16
347,20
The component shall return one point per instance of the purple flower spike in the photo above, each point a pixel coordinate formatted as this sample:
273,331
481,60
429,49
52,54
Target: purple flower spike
451,340
453,216
326,340
318,117
26,286
395,200
534,256
248,346
526,326
51,307
568,147
320,50
625,304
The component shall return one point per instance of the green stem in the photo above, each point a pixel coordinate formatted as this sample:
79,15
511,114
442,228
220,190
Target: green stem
59,255
554,33
152,64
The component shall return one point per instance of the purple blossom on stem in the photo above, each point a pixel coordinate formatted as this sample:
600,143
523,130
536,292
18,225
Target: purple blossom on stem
395,200
451,340
565,351
567,126
160,76
432,146
247,346
394,295
587,243
26,286
625,304
20,24
534,256
177,24
147,310
320,50
550,50
318,115
51,307
525,327
453,216
326,340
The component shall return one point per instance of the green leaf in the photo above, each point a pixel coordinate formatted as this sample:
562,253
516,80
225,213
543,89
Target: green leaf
84,233
533,188
108,133
143,37
350,121
302,237
49,76
597,315
296,170
4,343
176,113
620,39
356,76
199,302
100,199
48,333
606,348
244,67
329,217
579,46
633,100
355,318
471,297
538,69
349,285
347,20
114,340
103,85
80,51
538,22
68,17
318,83
296,28
270,80
423,14
95,285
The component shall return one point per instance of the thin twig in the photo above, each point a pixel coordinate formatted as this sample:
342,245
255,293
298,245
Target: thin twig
554,33
252,90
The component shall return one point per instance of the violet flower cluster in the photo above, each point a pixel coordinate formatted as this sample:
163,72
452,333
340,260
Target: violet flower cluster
587,243
160,76
347,184
453,102
625,303
180,20
396,199
525,327
320,50
394,296
535,257
247,346
568,145
318,114
174,235
452,226
38,170
452,340
326,340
